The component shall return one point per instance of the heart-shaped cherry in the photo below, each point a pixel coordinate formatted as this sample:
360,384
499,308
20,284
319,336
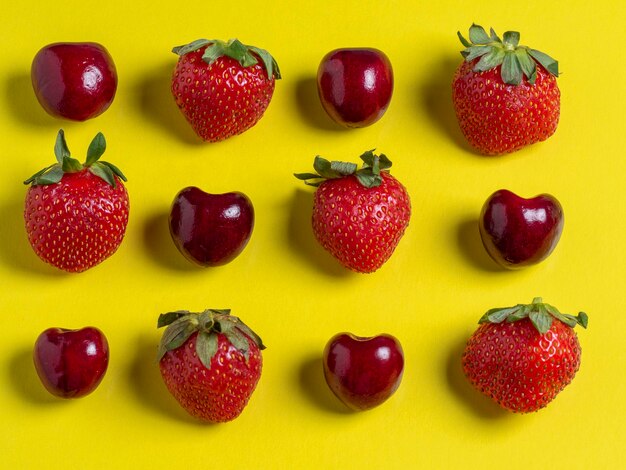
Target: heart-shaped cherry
71,363
211,229
363,372
355,85
518,232
74,80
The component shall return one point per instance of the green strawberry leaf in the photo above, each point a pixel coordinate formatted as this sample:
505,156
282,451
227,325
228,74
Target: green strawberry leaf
464,41
478,35
103,172
529,69
548,62
176,334
206,347
541,319
61,150
96,148
192,46
239,341
115,170
168,318
494,36
490,60
269,62
306,176
71,165
36,176
368,179
511,69
52,176
498,315
511,38
473,52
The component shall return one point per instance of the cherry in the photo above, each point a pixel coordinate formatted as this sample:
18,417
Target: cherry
518,232
74,80
71,363
363,372
355,85
211,229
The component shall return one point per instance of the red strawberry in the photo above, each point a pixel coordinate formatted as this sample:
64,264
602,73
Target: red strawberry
210,362
523,356
76,214
359,216
505,95
221,87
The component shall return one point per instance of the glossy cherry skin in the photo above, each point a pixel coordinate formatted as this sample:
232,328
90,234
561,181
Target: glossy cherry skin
518,232
363,372
71,363
211,229
355,85
74,80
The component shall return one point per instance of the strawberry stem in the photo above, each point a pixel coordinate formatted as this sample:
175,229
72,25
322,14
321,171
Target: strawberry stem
539,313
368,175
516,61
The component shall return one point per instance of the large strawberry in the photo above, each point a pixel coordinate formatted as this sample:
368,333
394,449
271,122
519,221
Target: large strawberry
76,214
223,88
359,215
523,356
210,362
505,95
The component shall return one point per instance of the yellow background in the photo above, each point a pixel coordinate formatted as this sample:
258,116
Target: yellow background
430,294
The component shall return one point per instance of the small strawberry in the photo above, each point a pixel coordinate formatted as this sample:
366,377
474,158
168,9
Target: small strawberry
359,215
221,87
523,356
505,95
76,214
210,362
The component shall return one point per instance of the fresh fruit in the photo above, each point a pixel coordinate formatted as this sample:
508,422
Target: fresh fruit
71,363
523,356
363,372
505,95
74,80
355,85
210,362
359,215
76,214
223,88
520,232
211,229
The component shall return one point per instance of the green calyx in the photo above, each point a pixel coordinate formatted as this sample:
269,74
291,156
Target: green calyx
516,61
540,314
208,324
369,175
66,164
233,48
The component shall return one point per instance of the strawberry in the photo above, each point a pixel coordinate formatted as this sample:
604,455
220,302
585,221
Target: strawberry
505,95
221,87
523,356
76,214
210,362
359,215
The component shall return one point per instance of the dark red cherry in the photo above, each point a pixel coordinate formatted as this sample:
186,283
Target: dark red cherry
74,80
71,363
211,229
363,372
355,85
520,232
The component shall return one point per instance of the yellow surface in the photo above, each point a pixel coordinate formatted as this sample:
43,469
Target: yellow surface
430,294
